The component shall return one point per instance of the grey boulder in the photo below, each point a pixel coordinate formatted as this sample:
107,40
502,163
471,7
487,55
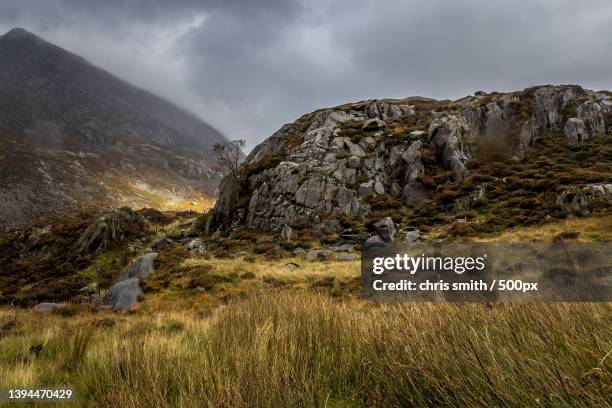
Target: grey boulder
375,239
141,267
373,124
298,252
124,295
385,228
342,248
196,245
346,257
291,266
47,307
413,236
319,254
354,162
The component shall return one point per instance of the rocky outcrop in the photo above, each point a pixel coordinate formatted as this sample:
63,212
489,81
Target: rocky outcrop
450,135
335,163
466,202
583,198
109,229
320,175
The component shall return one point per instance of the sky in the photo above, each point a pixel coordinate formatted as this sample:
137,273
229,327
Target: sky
249,66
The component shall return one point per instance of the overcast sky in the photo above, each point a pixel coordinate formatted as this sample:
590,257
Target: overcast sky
248,66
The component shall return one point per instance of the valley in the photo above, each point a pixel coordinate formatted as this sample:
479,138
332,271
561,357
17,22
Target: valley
136,270
75,137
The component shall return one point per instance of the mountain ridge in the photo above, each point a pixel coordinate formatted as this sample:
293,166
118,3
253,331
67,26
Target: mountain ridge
76,136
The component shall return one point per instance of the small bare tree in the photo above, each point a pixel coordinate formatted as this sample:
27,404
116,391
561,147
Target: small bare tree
228,157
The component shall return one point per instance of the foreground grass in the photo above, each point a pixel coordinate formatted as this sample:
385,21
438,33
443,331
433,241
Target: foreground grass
299,348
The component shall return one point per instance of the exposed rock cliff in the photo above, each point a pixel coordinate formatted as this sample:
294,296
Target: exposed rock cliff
342,162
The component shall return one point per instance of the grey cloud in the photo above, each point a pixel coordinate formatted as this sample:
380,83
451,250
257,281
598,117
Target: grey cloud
249,66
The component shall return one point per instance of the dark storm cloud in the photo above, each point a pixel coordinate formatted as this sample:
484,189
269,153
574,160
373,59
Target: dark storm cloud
249,66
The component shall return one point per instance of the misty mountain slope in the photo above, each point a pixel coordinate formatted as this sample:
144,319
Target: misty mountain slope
73,135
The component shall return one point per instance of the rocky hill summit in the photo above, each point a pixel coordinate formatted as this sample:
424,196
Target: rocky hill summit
74,135
477,164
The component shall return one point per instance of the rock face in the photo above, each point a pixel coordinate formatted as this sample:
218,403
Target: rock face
337,162
286,233
575,130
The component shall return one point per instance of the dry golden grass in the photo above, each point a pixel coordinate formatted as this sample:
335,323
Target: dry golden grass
590,229
278,339
277,269
239,278
287,348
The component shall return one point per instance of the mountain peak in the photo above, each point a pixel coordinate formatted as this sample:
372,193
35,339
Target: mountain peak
19,32
22,38
56,107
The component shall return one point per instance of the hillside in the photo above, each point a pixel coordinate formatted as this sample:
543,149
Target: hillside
75,136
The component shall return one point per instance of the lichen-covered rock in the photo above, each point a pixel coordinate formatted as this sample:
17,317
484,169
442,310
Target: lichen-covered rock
578,199
346,257
336,163
466,202
449,135
342,248
318,254
550,103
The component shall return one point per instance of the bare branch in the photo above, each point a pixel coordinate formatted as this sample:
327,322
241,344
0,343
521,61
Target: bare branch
228,156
